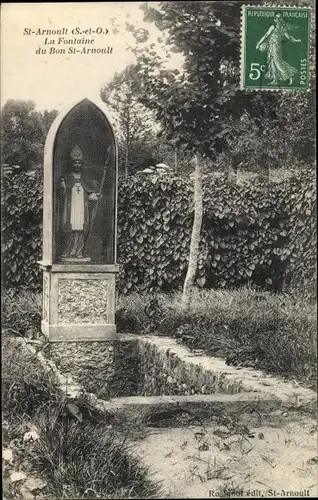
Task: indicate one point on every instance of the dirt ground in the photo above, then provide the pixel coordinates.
(206, 462)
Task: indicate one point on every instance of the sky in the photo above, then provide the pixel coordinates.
(53, 80)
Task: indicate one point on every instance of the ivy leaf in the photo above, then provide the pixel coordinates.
(201, 281)
(132, 232)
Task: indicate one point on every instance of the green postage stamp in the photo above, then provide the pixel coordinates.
(275, 48)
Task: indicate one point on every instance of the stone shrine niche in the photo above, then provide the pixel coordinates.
(84, 188)
(80, 226)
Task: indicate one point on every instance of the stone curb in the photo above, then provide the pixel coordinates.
(179, 411)
(229, 378)
(203, 407)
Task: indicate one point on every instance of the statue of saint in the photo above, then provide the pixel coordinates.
(77, 194)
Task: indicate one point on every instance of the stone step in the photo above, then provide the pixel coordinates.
(176, 411)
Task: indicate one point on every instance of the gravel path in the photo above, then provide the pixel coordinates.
(197, 462)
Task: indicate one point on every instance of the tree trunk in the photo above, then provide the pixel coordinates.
(233, 170)
(263, 168)
(127, 157)
(127, 162)
(195, 237)
(264, 174)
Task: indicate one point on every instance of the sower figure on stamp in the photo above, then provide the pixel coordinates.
(78, 196)
(278, 69)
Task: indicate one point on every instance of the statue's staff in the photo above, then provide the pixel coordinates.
(99, 198)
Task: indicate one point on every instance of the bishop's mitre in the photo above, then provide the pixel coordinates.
(76, 153)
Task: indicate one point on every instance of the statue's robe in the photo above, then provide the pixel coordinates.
(75, 214)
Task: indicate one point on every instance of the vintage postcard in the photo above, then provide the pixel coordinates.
(159, 241)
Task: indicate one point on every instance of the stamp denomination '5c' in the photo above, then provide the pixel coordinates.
(275, 48)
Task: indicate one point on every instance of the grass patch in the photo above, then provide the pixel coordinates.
(21, 313)
(275, 333)
(85, 461)
(26, 388)
(78, 458)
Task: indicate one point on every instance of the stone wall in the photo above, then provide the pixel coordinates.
(133, 366)
(157, 366)
(107, 369)
(164, 372)
(91, 364)
(170, 368)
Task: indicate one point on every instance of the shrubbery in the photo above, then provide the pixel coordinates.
(253, 233)
(21, 198)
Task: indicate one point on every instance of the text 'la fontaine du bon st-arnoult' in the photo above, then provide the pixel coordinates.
(70, 40)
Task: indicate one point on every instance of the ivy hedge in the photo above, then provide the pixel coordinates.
(21, 208)
(254, 233)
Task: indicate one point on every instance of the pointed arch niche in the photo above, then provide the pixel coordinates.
(84, 123)
(65, 280)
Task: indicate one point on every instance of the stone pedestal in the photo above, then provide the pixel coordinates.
(79, 304)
